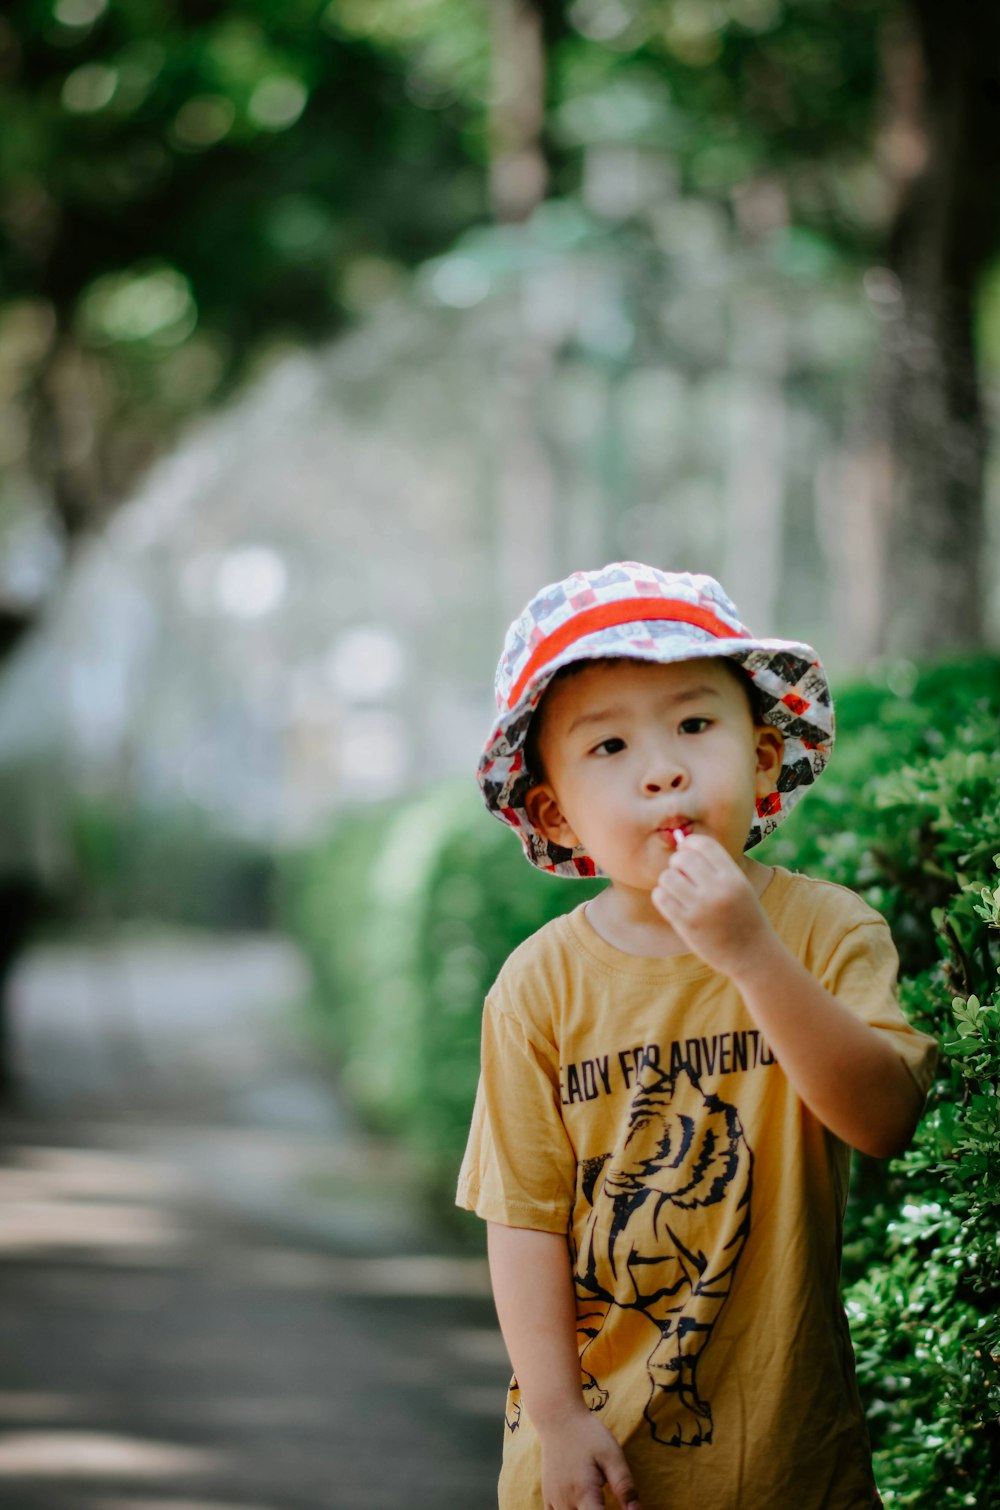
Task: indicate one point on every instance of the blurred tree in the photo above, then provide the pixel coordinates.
(874, 129)
(185, 186)
(942, 148)
(184, 183)
(862, 133)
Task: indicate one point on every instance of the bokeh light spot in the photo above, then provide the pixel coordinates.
(203, 121)
(366, 663)
(277, 102)
(251, 582)
(89, 88)
(79, 13)
(140, 305)
(459, 282)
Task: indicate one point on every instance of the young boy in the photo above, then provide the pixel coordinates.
(673, 1074)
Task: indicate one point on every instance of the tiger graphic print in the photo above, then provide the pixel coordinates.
(670, 1213)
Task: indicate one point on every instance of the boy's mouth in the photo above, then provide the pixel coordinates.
(676, 830)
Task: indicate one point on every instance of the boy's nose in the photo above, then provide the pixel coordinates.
(674, 784)
(666, 776)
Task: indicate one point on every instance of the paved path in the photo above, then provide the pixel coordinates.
(214, 1293)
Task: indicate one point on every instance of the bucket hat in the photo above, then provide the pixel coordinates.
(637, 612)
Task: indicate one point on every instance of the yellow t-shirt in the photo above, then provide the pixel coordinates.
(632, 1104)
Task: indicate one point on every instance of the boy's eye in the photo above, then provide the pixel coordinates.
(695, 725)
(609, 746)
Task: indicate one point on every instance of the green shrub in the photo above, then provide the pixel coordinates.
(409, 912)
(171, 866)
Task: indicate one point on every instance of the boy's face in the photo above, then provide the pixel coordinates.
(633, 749)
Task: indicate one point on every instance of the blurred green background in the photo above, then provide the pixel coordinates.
(330, 331)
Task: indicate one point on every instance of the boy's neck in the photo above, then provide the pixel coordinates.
(625, 917)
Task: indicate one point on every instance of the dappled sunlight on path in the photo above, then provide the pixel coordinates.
(210, 1296)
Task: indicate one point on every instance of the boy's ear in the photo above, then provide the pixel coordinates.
(546, 816)
(770, 751)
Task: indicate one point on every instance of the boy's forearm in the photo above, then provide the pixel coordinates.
(848, 1075)
(536, 1307)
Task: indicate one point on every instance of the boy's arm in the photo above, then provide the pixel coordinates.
(536, 1306)
(847, 1073)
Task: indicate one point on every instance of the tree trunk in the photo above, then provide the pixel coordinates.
(524, 483)
(70, 417)
(23, 908)
(518, 172)
(755, 467)
(945, 232)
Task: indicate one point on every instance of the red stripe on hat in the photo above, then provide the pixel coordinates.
(622, 611)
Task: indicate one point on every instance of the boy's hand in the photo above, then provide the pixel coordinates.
(580, 1456)
(708, 901)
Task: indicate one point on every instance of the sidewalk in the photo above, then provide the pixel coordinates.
(217, 1294)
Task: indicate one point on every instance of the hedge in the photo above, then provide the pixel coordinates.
(408, 912)
(171, 865)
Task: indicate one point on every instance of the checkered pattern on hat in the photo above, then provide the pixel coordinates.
(635, 611)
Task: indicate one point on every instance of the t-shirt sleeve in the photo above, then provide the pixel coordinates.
(519, 1167)
(861, 973)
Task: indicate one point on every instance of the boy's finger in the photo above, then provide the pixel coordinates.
(676, 888)
(688, 857)
(669, 898)
(628, 1497)
(620, 1482)
(702, 849)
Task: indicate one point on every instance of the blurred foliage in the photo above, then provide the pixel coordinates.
(224, 163)
(731, 92)
(188, 190)
(185, 188)
(406, 916)
(408, 912)
(169, 867)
